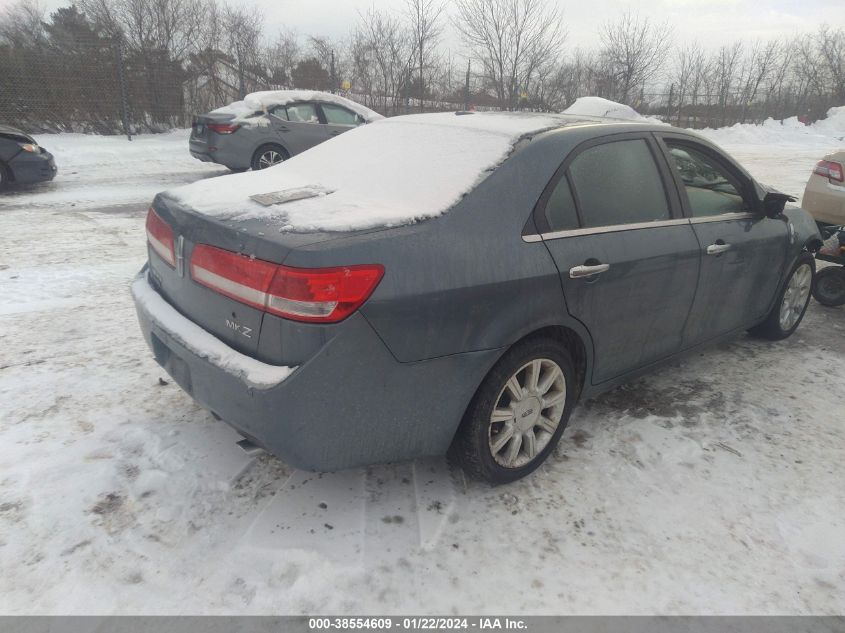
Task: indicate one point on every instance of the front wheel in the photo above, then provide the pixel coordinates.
(518, 413)
(4, 177)
(792, 302)
(829, 286)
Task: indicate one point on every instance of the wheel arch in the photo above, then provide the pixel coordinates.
(574, 343)
(268, 143)
(812, 244)
(574, 337)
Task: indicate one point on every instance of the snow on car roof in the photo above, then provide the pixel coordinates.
(388, 173)
(260, 101)
(597, 106)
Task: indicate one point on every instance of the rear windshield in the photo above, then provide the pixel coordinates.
(386, 173)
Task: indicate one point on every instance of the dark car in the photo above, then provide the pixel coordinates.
(22, 160)
(591, 251)
(268, 127)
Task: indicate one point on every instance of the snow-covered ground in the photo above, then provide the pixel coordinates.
(716, 485)
(782, 153)
(108, 170)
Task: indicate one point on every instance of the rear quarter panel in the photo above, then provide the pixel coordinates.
(465, 281)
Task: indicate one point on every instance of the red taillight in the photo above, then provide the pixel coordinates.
(325, 295)
(160, 237)
(321, 294)
(223, 128)
(829, 169)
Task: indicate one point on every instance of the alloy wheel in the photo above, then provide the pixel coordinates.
(527, 413)
(795, 297)
(269, 158)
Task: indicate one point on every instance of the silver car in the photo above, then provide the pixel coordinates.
(268, 127)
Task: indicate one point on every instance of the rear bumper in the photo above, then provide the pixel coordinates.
(824, 201)
(29, 168)
(351, 404)
(219, 151)
(206, 158)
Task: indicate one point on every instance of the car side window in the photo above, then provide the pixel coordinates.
(618, 183)
(303, 113)
(279, 111)
(560, 208)
(710, 188)
(337, 115)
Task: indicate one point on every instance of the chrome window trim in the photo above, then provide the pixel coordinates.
(742, 215)
(555, 235)
(614, 228)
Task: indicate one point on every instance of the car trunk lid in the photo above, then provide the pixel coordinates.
(235, 322)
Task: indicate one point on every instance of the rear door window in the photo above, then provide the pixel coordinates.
(303, 113)
(337, 115)
(618, 183)
(710, 188)
(560, 208)
(279, 111)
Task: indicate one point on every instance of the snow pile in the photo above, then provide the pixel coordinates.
(782, 153)
(833, 124)
(203, 344)
(392, 172)
(789, 130)
(258, 102)
(596, 106)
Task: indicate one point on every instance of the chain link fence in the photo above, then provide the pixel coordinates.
(99, 87)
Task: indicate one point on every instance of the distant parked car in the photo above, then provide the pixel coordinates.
(824, 196)
(268, 127)
(437, 281)
(22, 160)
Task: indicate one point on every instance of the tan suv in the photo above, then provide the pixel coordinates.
(824, 196)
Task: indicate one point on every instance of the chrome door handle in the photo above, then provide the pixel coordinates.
(577, 272)
(715, 249)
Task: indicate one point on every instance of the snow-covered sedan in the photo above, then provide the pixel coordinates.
(268, 127)
(458, 282)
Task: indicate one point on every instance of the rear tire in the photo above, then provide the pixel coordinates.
(5, 178)
(792, 302)
(518, 414)
(268, 155)
(829, 286)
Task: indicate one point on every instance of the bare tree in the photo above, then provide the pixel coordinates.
(512, 40)
(382, 56)
(424, 18)
(756, 67)
(636, 49)
(243, 29)
(22, 24)
(725, 66)
(282, 56)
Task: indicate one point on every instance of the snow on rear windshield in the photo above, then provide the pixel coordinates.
(387, 173)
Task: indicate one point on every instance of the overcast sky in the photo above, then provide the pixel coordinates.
(712, 22)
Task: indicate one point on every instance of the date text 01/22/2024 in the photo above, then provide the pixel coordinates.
(418, 623)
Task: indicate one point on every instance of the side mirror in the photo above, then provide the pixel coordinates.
(773, 203)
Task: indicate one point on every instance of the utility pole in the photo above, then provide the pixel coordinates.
(669, 106)
(407, 89)
(466, 87)
(121, 80)
(333, 76)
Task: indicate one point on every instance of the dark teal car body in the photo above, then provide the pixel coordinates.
(629, 243)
